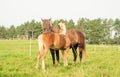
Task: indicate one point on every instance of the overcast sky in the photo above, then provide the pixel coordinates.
(16, 12)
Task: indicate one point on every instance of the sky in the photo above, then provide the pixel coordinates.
(16, 12)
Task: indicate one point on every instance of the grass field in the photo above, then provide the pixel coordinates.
(15, 61)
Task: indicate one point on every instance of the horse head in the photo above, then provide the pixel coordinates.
(47, 25)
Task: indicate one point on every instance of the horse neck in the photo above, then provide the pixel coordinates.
(53, 29)
(49, 28)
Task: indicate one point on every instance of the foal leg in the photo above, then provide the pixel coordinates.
(53, 55)
(75, 54)
(63, 55)
(57, 57)
(66, 56)
(38, 58)
(43, 58)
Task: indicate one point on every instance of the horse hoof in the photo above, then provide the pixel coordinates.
(58, 64)
(73, 63)
(80, 62)
(43, 70)
(65, 64)
(36, 68)
(54, 65)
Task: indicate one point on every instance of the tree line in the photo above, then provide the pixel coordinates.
(97, 31)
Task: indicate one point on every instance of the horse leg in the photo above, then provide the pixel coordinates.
(43, 58)
(57, 57)
(81, 55)
(66, 56)
(38, 58)
(63, 55)
(53, 55)
(75, 54)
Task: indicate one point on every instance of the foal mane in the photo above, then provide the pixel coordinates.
(62, 28)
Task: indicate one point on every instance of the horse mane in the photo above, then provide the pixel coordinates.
(62, 28)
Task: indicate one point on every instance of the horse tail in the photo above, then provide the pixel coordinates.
(40, 43)
(82, 43)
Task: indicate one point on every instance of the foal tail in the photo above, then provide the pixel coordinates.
(40, 43)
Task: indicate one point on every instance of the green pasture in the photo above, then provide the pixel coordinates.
(15, 61)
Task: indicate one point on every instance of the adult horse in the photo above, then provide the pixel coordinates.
(76, 37)
(52, 40)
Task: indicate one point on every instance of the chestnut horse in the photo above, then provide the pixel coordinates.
(76, 37)
(52, 40)
(50, 28)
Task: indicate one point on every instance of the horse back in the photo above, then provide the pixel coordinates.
(61, 41)
(48, 38)
(55, 40)
(76, 37)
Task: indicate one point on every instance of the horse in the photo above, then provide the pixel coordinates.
(52, 40)
(50, 28)
(76, 37)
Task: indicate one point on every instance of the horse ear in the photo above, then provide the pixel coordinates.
(50, 19)
(42, 19)
(58, 26)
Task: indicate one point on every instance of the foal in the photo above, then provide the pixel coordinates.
(47, 26)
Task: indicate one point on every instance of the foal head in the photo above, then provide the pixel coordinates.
(62, 28)
(47, 25)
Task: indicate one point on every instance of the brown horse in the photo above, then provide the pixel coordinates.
(76, 37)
(55, 41)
